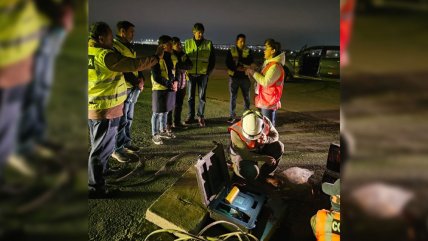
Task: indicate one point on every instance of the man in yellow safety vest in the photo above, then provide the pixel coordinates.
(201, 53)
(107, 93)
(125, 151)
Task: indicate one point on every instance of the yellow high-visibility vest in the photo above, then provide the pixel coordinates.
(20, 30)
(125, 51)
(235, 56)
(164, 74)
(198, 55)
(106, 88)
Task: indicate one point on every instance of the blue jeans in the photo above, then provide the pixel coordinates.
(270, 114)
(201, 82)
(123, 137)
(33, 123)
(234, 85)
(159, 122)
(103, 139)
(10, 112)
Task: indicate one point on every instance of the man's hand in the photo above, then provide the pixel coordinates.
(270, 161)
(141, 84)
(241, 69)
(175, 86)
(249, 71)
(263, 139)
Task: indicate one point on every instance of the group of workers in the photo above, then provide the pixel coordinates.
(115, 80)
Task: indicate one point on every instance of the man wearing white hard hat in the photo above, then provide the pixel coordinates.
(254, 140)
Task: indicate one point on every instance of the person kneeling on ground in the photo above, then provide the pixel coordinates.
(254, 139)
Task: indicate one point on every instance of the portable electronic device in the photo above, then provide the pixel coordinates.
(223, 201)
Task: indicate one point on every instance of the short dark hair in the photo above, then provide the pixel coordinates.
(124, 24)
(176, 40)
(164, 39)
(98, 29)
(274, 45)
(241, 35)
(198, 27)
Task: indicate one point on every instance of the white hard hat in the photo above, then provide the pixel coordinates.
(252, 124)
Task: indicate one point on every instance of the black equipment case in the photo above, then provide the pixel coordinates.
(214, 185)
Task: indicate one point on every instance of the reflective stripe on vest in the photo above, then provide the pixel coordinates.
(198, 55)
(125, 51)
(235, 56)
(164, 74)
(174, 63)
(20, 30)
(270, 97)
(251, 144)
(106, 89)
(327, 225)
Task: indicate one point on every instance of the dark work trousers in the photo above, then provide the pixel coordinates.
(179, 99)
(234, 85)
(123, 137)
(33, 123)
(103, 139)
(270, 114)
(201, 81)
(11, 100)
(275, 150)
(251, 169)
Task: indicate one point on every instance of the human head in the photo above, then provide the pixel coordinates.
(198, 31)
(166, 42)
(252, 124)
(102, 34)
(125, 30)
(334, 191)
(272, 48)
(240, 41)
(176, 44)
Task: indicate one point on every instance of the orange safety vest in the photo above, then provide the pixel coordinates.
(251, 144)
(327, 225)
(270, 97)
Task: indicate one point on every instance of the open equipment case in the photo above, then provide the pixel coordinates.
(214, 184)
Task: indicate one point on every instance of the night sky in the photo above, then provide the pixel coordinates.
(292, 23)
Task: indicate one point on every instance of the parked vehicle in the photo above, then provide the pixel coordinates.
(372, 5)
(317, 62)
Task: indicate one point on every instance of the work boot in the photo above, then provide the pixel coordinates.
(43, 151)
(178, 126)
(131, 148)
(102, 193)
(157, 139)
(201, 121)
(123, 157)
(189, 120)
(20, 164)
(167, 135)
(231, 120)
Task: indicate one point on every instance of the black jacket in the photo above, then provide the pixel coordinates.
(230, 63)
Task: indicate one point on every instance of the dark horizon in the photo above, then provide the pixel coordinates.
(292, 23)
